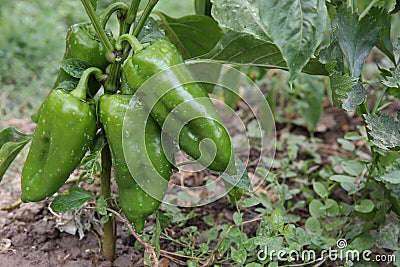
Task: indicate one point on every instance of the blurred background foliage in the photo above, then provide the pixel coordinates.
(32, 43)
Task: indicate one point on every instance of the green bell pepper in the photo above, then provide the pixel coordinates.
(65, 130)
(195, 117)
(135, 202)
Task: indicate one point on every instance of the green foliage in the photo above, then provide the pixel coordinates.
(31, 47)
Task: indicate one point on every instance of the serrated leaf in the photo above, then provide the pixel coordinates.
(193, 35)
(73, 199)
(12, 142)
(296, 27)
(241, 180)
(391, 79)
(392, 174)
(240, 16)
(384, 129)
(388, 236)
(74, 67)
(347, 93)
(243, 49)
(356, 38)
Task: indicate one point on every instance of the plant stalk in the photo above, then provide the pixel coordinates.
(108, 243)
(99, 30)
(130, 17)
(146, 13)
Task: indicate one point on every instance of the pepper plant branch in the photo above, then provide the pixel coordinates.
(133, 42)
(99, 30)
(146, 13)
(81, 88)
(130, 17)
(117, 6)
(108, 248)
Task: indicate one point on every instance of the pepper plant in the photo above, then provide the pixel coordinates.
(79, 124)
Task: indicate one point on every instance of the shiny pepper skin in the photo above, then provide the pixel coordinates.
(65, 130)
(199, 118)
(135, 202)
(83, 43)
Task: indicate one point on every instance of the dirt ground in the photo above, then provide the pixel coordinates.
(29, 237)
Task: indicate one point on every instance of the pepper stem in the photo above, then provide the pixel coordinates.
(108, 244)
(99, 30)
(80, 90)
(146, 13)
(117, 6)
(130, 17)
(133, 42)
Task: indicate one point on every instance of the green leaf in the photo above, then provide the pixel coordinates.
(73, 199)
(193, 35)
(312, 225)
(237, 218)
(75, 66)
(310, 101)
(316, 208)
(365, 206)
(296, 27)
(241, 180)
(101, 205)
(347, 93)
(240, 16)
(384, 22)
(104, 219)
(320, 189)
(384, 129)
(243, 49)
(239, 256)
(388, 236)
(12, 142)
(203, 7)
(391, 79)
(249, 202)
(353, 167)
(392, 173)
(356, 38)
(332, 208)
(363, 242)
(343, 179)
(209, 220)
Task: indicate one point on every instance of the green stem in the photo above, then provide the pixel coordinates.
(146, 13)
(133, 42)
(99, 30)
(117, 6)
(112, 83)
(130, 17)
(379, 101)
(367, 9)
(108, 244)
(80, 90)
